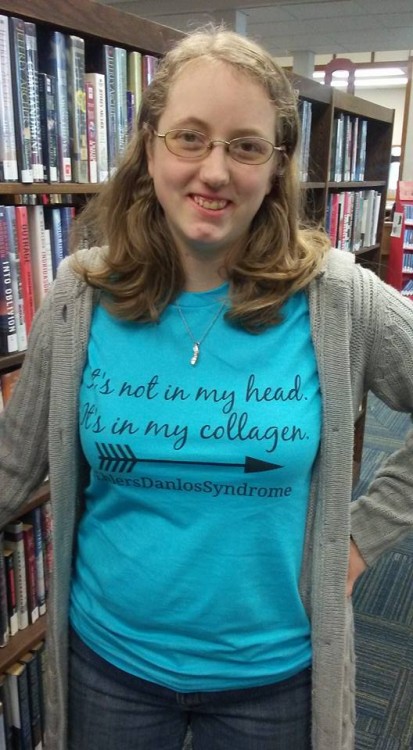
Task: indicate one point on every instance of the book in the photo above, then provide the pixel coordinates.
(29, 660)
(21, 102)
(42, 271)
(53, 222)
(135, 83)
(91, 132)
(7, 739)
(8, 325)
(8, 153)
(34, 518)
(39, 651)
(18, 694)
(108, 52)
(9, 565)
(52, 60)
(149, 66)
(77, 107)
(97, 81)
(13, 539)
(48, 127)
(31, 576)
(47, 537)
(16, 279)
(33, 93)
(121, 84)
(3, 737)
(4, 612)
(23, 250)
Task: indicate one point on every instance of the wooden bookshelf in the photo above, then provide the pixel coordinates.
(99, 24)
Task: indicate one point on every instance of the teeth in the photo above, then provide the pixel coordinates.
(212, 205)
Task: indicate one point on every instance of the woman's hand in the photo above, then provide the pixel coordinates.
(356, 567)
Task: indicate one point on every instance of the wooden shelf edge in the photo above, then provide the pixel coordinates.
(8, 361)
(23, 641)
(49, 188)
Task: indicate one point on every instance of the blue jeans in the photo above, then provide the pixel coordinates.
(111, 709)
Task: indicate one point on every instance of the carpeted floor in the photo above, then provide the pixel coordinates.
(383, 603)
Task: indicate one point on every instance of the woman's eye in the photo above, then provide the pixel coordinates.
(250, 146)
(188, 138)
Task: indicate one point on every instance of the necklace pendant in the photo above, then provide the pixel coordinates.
(195, 349)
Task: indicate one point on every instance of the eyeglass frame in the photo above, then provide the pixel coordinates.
(213, 141)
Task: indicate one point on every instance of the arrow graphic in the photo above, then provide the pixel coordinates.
(121, 458)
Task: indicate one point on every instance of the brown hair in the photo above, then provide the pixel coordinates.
(141, 271)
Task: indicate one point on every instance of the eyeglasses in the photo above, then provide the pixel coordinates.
(191, 144)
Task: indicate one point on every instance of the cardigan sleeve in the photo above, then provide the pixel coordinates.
(24, 422)
(384, 513)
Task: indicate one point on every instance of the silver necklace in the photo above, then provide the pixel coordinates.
(196, 343)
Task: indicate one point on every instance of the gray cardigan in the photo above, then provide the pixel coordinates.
(363, 336)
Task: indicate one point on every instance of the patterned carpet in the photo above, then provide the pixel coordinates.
(383, 603)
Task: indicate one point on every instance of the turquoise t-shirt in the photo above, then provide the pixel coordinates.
(190, 548)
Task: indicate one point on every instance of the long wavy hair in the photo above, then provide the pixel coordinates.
(141, 271)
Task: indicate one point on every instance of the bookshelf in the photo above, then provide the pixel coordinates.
(321, 190)
(400, 260)
(100, 24)
(97, 25)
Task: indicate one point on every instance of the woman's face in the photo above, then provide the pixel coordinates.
(209, 203)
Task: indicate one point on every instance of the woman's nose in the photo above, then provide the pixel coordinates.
(215, 167)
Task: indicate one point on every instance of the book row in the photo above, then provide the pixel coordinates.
(348, 149)
(408, 212)
(66, 108)
(408, 262)
(33, 241)
(408, 239)
(25, 566)
(407, 290)
(352, 219)
(22, 693)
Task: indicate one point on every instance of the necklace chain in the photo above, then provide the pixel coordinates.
(196, 343)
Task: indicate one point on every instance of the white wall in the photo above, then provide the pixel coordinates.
(388, 97)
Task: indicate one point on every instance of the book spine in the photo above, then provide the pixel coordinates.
(97, 80)
(52, 60)
(8, 153)
(91, 132)
(16, 277)
(135, 82)
(149, 66)
(39, 652)
(20, 707)
(110, 81)
(121, 84)
(48, 127)
(4, 613)
(13, 538)
(29, 557)
(33, 89)
(35, 519)
(21, 98)
(11, 591)
(8, 330)
(57, 239)
(41, 263)
(29, 660)
(23, 250)
(77, 107)
(47, 536)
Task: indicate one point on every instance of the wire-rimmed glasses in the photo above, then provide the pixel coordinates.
(192, 144)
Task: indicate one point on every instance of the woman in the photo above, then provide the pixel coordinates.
(198, 379)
